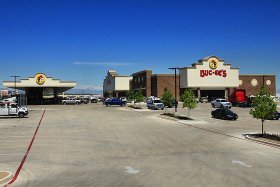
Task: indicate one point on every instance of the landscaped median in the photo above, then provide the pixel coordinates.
(5, 177)
(270, 139)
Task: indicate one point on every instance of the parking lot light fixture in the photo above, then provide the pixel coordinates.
(15, 76)
(175, 73)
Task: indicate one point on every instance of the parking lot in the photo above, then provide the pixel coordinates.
(94, 145)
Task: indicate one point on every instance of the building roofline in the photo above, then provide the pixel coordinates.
(142, 72)
(271, 75)
(154, 75)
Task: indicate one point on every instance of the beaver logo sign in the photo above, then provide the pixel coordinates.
(40, 78)
(213, 63)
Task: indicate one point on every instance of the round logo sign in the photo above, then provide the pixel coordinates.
(40, 78)
(213, 63)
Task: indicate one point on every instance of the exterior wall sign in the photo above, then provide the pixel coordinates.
(213, 64)
(209, 73)
(40, 78)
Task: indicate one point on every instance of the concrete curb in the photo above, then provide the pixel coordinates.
(6, 179)
(262, 141)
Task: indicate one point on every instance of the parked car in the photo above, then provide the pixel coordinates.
(93, 100)
(224, 113)
(84, 100)
(124, 99)
(221, 103)
(115, 101)
(276, 116)
(203, 99)
(71, 101)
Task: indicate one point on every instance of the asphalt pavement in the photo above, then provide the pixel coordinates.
(94, 145)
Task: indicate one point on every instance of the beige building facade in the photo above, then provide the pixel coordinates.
(115, 85)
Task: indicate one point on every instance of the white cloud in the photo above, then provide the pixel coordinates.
(115, 64)
(89, 87)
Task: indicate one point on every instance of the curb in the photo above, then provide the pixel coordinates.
(7, 178)
(262, 141)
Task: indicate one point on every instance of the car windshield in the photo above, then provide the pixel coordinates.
(157, 101)
(223, 100)
(229, 112)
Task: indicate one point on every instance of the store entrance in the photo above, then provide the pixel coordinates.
(212, 93)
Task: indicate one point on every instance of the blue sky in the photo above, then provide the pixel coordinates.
(133, 35)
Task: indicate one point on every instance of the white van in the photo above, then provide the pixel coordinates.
(154, 103)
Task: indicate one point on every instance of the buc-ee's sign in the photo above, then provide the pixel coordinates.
(213, 71)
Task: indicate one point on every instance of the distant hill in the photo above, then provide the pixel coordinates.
(84, 91)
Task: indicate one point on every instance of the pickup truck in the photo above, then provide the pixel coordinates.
(115, 101)
(71, 101)
(221, 103)
(12, 109)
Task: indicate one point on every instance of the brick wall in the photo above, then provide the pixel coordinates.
(259, 80)
(142, 81)
(162, 81)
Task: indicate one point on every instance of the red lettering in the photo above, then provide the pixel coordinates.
(224, 73)
(201, 73)
(205, 73)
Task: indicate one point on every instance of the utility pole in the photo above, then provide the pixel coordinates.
(175, 68)
(15, 76)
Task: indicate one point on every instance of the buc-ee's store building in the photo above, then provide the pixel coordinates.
(210, 76)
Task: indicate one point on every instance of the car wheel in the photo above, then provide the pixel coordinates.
(20, 115)
(212, 115)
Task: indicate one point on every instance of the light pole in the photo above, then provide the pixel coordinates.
(15, 76)
(263, 80)
(175, 68)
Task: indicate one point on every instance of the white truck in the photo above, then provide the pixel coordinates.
(12, 109)
(154, 103)
(72, 101)
(221, 103)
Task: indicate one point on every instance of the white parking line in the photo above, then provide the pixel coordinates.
(5, 154)
(192, 122)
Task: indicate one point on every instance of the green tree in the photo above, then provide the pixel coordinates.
(167, 98)
(138, 97)
(263, 106)
(189, 100)
(130, 95)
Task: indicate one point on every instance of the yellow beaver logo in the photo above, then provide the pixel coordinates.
(213, 63)
(40, 78)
